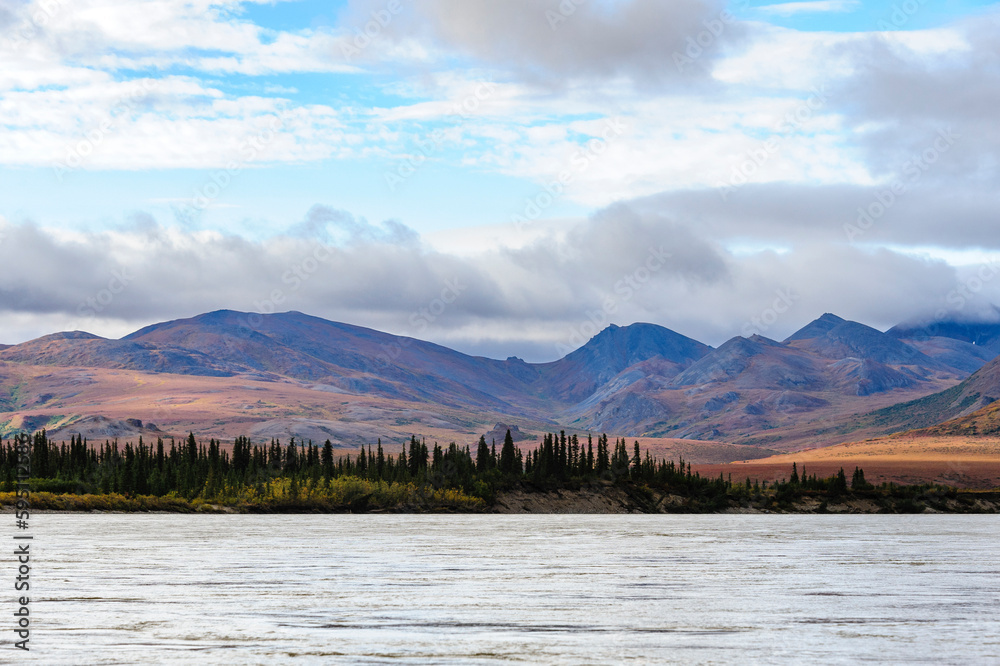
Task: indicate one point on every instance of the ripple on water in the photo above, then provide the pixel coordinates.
(484, 589)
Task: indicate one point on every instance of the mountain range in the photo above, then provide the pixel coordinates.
(294, 374)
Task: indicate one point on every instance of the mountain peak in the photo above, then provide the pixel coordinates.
(840, 339)
(581, 372)
(817, 328)
(627, 345)
(70, 335)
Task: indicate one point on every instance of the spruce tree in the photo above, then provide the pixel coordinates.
(328, 459)
(839, 484)
(508, 457)
(858, 480)
(483, 457)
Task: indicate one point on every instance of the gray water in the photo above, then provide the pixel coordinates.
(236, 589)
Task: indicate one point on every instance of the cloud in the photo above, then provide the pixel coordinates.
(922, 214)
(136, 85)
(175, 84)
(816, 6)
(548, 42)
(171, 122)
(207, 35)
(648, 261)
(901, 99)
(340, 228)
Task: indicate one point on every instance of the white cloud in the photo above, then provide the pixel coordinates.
(172, 122)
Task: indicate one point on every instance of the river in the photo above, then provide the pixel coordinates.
(486, 589)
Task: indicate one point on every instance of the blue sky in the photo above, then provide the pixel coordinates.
(535, 148)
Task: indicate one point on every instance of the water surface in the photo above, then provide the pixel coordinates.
(562, 589)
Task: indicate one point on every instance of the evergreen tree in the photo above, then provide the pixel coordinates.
(508, 458)
(291, 457)
(483, 456)
(192, 448)
(362, 465)
(839, 485)
(858, 480)
(328, 459)
(414, 456)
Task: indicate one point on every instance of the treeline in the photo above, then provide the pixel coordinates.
(191, 468)
(315, 475)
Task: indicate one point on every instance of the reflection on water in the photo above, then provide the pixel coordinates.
(534, 589)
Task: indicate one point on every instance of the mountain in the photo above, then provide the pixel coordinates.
(978, 334)
(981, 390)
(293, 374)
(963, 356)
(77, 348)
(835, 338)
(817, 328)
(352, 358)
(581, 373)
(964, 345)
(767, 391)
(755, 362)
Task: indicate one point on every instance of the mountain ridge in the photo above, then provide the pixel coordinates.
(640, 379)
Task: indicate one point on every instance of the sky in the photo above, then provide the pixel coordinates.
(505, 178)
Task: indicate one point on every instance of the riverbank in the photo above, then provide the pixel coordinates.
(625, 499)
(601, 498)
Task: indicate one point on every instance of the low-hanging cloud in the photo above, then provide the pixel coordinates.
(627, 263)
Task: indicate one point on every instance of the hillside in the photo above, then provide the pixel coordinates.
(971, 399)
